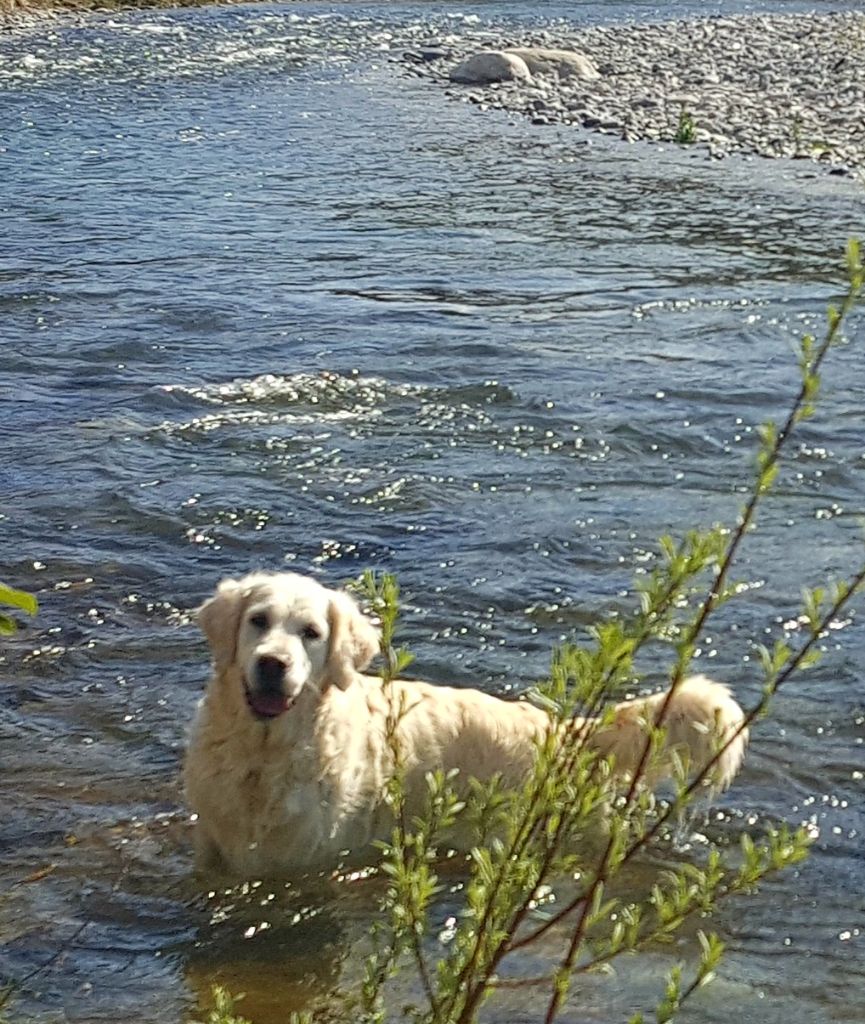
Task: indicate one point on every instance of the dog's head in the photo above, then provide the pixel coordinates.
(285, 633)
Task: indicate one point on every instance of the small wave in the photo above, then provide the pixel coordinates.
(645, 309)
(306, 398)
(147, 28)
(335, 389)
(299, 388)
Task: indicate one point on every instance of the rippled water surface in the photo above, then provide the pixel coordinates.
(268, 302)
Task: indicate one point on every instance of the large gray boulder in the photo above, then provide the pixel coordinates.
(491, 66)
(565, 63)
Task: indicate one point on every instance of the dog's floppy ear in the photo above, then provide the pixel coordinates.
(219, 618)
(353, 640)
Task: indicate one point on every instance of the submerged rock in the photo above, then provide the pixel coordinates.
(490, 66)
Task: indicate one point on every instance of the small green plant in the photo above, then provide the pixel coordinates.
(686, 130)
(12, 598)
(223, 1011)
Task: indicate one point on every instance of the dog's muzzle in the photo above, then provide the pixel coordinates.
(265, 694)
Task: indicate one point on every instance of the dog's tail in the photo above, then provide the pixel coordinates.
(703, 725)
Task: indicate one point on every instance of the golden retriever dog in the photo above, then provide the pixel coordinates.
(289, 759)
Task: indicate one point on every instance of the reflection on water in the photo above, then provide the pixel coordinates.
(267, 303)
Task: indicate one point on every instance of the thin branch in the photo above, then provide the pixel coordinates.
(856, 582)
(708, 605)
(530, 825)
(64, 947)
(423, 971)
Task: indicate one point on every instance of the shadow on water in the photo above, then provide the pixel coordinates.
(282, 947)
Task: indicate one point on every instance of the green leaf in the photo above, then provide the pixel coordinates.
(18, 599)
(853, 257)
(223, 1011)
(403, 659)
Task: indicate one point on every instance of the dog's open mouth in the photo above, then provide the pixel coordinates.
(268, 705)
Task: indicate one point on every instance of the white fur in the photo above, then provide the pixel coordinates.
(295, 792)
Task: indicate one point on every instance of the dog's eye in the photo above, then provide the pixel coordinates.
(311, 633)
(258, 621)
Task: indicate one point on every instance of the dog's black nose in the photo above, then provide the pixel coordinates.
(270, 672)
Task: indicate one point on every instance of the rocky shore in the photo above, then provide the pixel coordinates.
(773, 85)
(18, 14)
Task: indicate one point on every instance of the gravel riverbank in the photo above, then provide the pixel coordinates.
(17, 15)
(773, 85)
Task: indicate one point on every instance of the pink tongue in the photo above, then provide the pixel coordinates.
(268, 706)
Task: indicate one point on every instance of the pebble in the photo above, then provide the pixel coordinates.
(788, 85)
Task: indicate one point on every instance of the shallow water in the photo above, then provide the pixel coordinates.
(266, 302)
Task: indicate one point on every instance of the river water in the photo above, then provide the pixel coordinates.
(267, 302)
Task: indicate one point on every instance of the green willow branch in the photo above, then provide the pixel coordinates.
(767, 462)
(853, 586)
(384, 598)
(531, 824)
(505, 879)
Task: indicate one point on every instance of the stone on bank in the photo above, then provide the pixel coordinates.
(565, 63)
(490, 66)
(520, 63)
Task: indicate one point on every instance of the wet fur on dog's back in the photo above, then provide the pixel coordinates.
(288, 759)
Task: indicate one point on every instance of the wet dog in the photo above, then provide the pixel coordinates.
(289, 760)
